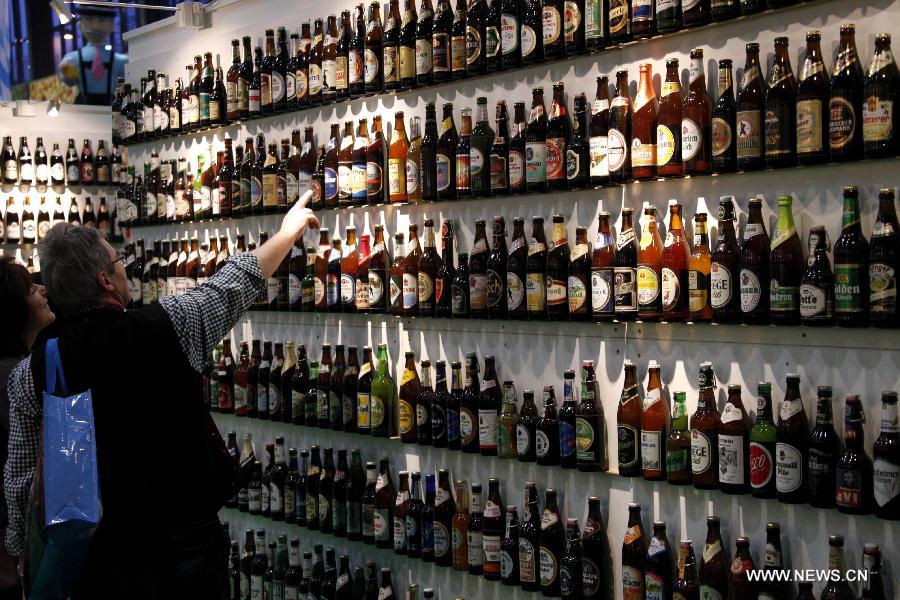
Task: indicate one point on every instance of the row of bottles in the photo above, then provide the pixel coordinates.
(29, 222)
(631, 275)
(457, 524)
(709, 449)
(42, 170)
(355, 54)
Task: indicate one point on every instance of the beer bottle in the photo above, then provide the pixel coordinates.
(324, 401)
(481, 40)
(603, 272)
(401, 513)
(678, 444)
(428, 520)
(824, 447)
(333, 282)
(375, 164)
(364, 393)
(634, 555)
(579, 283)
(686, 586)
(459, 291)
(734, 445)
(839, 588)
(578, 149)
(705, 425)
(473, 153)
(478, 273)
(332, 164)
(780, 110)
(675, 273)
(532, 32)
(446, 158)
(356, 80)
(668, 127)
(253, 380)
(359, 184)
(257, 182)
(659, 574)
(379, 265)
(441, 51)
(620, 20)
(625, 271)
(383, 397)
(385, 498)
(724, 123)
(373, 57)
(887, 457)
(654, 423)
(546, 443)
(771, 588)
(791, 447)
(620, 127)
(507, 423)
(595, 552)
(513, 288)
(11, 163)
(696, 14)
(427, 272)
(649, 270)
(750, 113)
(645, 121)
(786, 258)
(628, 418)
(474, 538)
(853, 491)
(517, 151)
(812, 96)
(509, 548)
(308, 284)
(322, 257)
(496, 273)
(526, 429)
(740, 585)
(499, 152)
(349, 388)
(845, 100)
(874, 587)
(438, 410)
(410, 274)
(851, 252)
(460, 526)
(326, 493)
(536, 268)
(884, 262)
(536, 144)
(556, 281)
(399, 148)
(349, 267)
(567, 458)
(559, 130)
(754, 281)
(696, 135)
(345, 166)
(315, 63)
(367, 503)
(453, 404)
(529, 545)
(423, 50)
(879, 124)
(391, 47)
(469, 429)
(553, 545)
(458, 42)
(409, 393)
(724, 266)
(725, 9)
(362, 276)
(599, 133)
(424, 401)
(699, 267)
(259, 566)
(489, 401)
(714, 562)
(413, 163)
(241, 376)
(817, 282)
(413, 524)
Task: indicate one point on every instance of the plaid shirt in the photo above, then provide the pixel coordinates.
(201, 317)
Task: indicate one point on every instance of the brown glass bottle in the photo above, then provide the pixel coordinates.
(536, 144)
(625, 273)
(557, 271)
(705, 425)
(579, 284)
(599, 133)
(409, 392)
(714, 562)
(496, 271)
(750, 120)
(792, 446)
(536, 268)
(395, 278)
(373, 68)
(734, 445)
(880, 125)
(644, 127)
(780, 110)
(696, 13)
(654, 427)
(478, 277)
(754, 277)
(676, 256)
(445, 157)
(686, 585)
(845, 101)
(397, 192)
(634, 555)
(603, 260)
(620, 124)
(696, 131)
(812, 101)
(668, 128)
(427, 271)
(628, 424)
(375, 155)
(725, 268)
(649, 270)
(378, 267)
(559, 135)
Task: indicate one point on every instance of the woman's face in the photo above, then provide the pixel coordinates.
(39, 313)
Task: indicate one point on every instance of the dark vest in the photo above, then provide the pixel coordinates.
(162, 468)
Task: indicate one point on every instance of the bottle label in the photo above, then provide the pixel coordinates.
(625, 289)
(749, 134)
(788, 467)
(850, 491)
(777, 125)
(556, 291)
(691, 139)
(886, 481)
(423, 56)
(651, 450)
(475, 546)
(878, 119)
(529, 40)
(536, 162)
(527, 571)
(391, 63)
(647, 285)
(617, 150)
(701, 452)
(643, 154)
(882, 287)
(720, 285)
(783, 298)
(551, 25)
(814, 302)
(707, 592)
(509, 33)
(535, 293)
(584, 440)
(665, 144)
(751, 289)
(601, 291)
(458, 52)
(476, 161)
(380, 524)
(549, 567)
(842, 122)
(468, 428)
(848, 280)
(541, 444)
(721, 136)
(599, 153)
(473, 45)
(632, 583)
(577, 292)
(810, 136)
(671, 289)
(517, 169)
(443, 172)
(371, 67)
(440, 53)
(628, 446)
(731, 458)
(523, 440)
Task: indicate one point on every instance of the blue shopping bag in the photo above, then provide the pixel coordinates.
(71, 491)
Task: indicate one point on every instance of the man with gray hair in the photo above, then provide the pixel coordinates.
(163, 469)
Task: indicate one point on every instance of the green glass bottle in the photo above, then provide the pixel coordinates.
(384, 396)
(480, 141)
(786, 267)
(851, 266)
(678, 443)
(310, 407)
(762, 445)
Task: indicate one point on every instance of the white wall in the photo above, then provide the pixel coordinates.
(862, 362)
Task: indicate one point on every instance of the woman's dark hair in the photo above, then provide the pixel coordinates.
(15, 286)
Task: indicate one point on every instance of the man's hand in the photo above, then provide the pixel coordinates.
(299, 218)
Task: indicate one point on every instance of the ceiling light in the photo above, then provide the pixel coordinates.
(68, 36)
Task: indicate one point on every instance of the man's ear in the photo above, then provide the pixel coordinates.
(105, 282)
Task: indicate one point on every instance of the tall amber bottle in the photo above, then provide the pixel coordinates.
(644, 127)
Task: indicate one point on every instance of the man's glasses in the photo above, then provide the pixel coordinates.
(120, 256)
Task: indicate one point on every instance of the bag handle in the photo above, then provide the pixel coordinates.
(53, 368)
